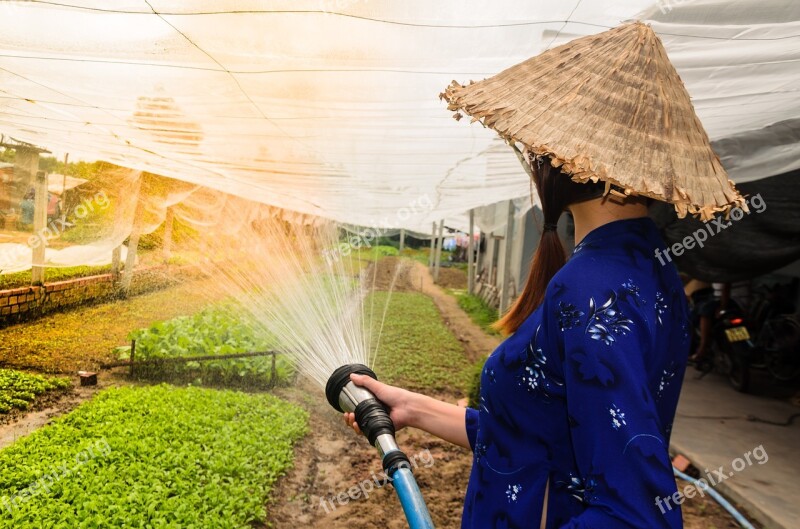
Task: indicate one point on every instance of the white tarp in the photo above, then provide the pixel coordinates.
(58, 183)
(331, 108)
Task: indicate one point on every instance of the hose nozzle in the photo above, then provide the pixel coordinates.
(371, 415)
(375, 423)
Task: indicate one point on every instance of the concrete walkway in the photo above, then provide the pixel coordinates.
(768, 488)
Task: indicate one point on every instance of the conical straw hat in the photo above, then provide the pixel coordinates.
(607, 107)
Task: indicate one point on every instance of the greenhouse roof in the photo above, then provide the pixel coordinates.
(331, 107)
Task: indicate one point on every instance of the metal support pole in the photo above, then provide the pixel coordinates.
(63, 200)
(116, 259)
(402, 239)
(471, 253)
(479, 265)
(133, 241)
(39, 227)
(439, 245)
(507, 259)
(433, 247)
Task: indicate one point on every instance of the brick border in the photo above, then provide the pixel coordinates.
(28, 303)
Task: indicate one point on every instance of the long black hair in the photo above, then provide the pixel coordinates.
(556, 192)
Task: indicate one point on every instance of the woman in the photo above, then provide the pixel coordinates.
(27, 207)
(577, 405)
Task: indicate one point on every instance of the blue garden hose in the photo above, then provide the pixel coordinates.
(717, 497)
(375, 423)
(411, 499)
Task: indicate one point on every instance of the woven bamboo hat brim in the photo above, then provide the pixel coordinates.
(607, 107)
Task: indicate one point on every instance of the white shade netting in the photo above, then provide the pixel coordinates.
(331, 108)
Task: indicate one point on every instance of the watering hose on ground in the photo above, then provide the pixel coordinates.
(741, 520)
(374, 421)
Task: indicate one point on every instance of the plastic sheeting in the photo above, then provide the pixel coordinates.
(745, 245)
(330, 108)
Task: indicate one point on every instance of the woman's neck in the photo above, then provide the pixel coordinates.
(596, 212)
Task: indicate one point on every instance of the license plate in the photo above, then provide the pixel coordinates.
(737, 334)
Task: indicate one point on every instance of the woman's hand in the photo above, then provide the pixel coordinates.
(396, 399)
(407, 408)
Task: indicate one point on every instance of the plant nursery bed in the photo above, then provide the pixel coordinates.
(157, 456)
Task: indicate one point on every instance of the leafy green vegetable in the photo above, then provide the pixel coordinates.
(474, 390)
(18, 389)
(218, 330)
(152, 457)
(372, 253)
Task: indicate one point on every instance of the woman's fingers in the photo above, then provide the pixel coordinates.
(377, 388)
(350, 421)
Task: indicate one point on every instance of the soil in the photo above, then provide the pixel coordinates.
(454, 278)
(707, 514)
(332, 460)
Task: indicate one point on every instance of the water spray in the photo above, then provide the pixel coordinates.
(377, 426)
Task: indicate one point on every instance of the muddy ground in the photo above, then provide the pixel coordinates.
(53, 404)
(333, 459)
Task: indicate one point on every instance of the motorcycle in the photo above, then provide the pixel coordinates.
(764, 340)
(732, 349)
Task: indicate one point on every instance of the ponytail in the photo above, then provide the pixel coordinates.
(556, 191)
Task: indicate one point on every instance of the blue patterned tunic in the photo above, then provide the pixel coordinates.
(584, 394)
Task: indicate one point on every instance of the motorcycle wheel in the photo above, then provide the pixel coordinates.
(779, 341)
(723, 361)
(733, 366)
(782, 370)
(739, 376)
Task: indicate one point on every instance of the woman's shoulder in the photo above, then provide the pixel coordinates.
(586, 273)
(585, 281)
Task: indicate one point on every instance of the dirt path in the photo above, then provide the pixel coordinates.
(411, 275)
(476, 342)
